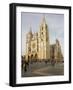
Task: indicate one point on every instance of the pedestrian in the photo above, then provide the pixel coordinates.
(25, 67)
(53, 62)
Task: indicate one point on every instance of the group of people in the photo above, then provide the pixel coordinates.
(26, 64)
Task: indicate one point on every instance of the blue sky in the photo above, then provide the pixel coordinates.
(55, 24)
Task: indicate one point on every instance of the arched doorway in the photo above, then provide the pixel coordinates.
(32, 56)
(35, 56)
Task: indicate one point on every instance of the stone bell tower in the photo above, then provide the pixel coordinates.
(44, 43)
(28, 44)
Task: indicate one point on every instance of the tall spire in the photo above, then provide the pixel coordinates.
(30, 29)
(43, 21)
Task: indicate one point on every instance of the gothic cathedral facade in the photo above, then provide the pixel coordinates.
(38, 45)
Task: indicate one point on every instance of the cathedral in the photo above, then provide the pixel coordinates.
(38, 45)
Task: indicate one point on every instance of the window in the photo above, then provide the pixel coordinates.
(42, 33)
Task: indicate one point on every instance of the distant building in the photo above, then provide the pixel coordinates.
(38, 45)
(55, 52)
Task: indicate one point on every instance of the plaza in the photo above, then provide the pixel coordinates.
(43, 69)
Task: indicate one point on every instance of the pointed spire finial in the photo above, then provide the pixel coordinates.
(43, 19)
(30, 30)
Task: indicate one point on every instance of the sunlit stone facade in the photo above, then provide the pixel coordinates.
(38, 46)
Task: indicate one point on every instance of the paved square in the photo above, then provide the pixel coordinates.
(43, 69)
